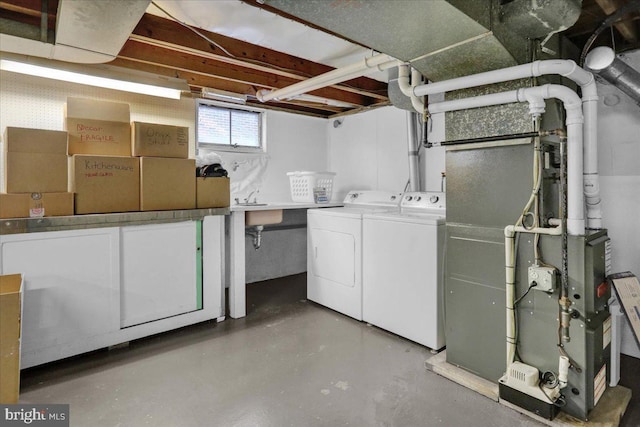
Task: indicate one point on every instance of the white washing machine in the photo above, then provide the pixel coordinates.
(334, 250)
(402, 269)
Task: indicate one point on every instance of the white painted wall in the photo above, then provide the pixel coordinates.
(619, 168)
(368, 151)
(294, 143)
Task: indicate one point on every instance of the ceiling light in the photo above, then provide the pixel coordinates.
(223, 95)
(97, 75)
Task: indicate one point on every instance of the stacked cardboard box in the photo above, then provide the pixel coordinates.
(104, 176)
(115, 166)
(167, 176)
(10, 315)
(34, 183)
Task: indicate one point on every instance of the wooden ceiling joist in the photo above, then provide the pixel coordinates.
(156, 30)
(626, 27)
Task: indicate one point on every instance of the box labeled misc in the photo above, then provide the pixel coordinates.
(104, 184)
(35, 205)
(167, 184)
(10, 337)
(98, 127)
(156, 140)
(35, 160)
(212, 193)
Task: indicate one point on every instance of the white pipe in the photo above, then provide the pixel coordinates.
(510, 277)
(413, 144)
(407, 89)
(565, 68)
(535, 96)
(367, 65)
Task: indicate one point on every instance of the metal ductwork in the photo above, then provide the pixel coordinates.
(603, 62)
(87, 32)
(538, 19)
(442, 39)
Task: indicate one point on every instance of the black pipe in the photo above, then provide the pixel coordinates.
(488, 139)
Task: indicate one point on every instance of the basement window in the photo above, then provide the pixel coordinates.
(221, 127)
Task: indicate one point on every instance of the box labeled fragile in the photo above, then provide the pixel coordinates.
(98, 127)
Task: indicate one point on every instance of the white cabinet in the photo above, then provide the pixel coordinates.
(71, 286)
(159, 265)
(92, 288)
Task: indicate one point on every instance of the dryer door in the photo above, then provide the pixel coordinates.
(333, 256)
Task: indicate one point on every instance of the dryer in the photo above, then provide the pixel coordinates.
(402, 269)
(334, 250)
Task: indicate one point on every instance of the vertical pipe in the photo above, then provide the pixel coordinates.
(412, 141)
(564, 268)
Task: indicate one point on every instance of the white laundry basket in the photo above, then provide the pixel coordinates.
(303, 183)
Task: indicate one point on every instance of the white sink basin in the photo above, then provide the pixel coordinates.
(263, 217)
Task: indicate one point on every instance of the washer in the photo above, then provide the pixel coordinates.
(334, 250)
(402, 269)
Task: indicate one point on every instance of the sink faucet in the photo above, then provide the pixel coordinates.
(255, 200)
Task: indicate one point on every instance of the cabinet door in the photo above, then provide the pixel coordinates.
(159, 264)
(71, 285)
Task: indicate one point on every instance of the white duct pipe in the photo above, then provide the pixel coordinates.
(565, 68)
(535, 96)
(367, 65)
(413, 144)
(407, 88)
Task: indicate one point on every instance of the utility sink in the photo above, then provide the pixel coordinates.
(263, 217)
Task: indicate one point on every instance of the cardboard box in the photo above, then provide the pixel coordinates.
(10, 326)
(35, 173)
(35, 205)
(167, 184)
(104, 184)
(25, 140)
(212, 193)
(98, 127)
(154, 140)
(34, 160)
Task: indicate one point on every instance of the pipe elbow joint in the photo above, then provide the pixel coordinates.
(261, 94)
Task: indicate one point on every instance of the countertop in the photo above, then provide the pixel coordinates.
(75, 222)
(282, 205)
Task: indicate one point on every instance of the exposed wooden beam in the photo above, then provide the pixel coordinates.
(164, 30)
(144, 53)
(626, 27)
(197, 82)
(29, 11)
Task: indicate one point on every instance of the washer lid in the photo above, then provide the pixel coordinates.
(410, 217)
(355, 212)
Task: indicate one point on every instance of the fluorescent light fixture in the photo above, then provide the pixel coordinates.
(101, 76)
(223, 95)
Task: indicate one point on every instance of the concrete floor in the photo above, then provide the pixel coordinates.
(288, 363)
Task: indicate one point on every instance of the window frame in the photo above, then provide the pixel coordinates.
(229, 147)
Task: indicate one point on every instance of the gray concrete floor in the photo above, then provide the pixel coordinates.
(290, 362)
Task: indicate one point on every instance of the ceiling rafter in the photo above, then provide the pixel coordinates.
(626, 27)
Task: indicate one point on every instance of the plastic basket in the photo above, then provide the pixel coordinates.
(302, 184)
